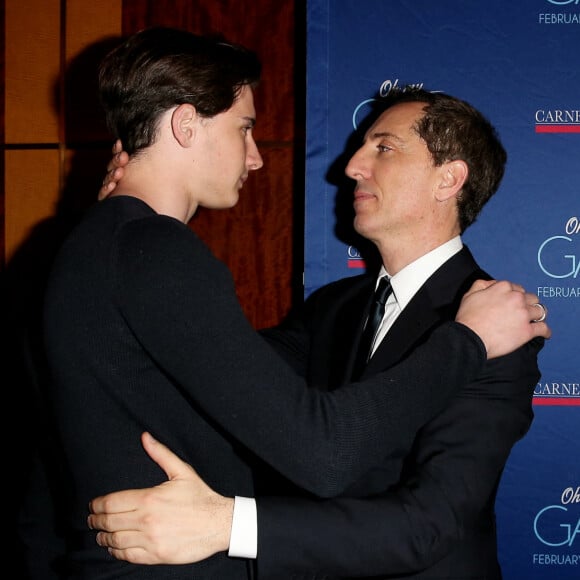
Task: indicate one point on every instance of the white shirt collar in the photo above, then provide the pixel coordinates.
(407, 282)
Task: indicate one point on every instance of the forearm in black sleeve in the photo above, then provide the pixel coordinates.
(459, 458)
(322, 441)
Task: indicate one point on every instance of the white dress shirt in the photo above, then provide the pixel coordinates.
(405, 284)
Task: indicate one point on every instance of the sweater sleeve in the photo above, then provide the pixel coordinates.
(180, 302)
(450, 483)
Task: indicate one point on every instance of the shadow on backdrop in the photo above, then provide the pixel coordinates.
(343, 209)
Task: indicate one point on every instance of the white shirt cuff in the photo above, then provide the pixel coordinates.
(244, 534)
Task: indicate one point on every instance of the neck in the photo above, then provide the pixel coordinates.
(397, 252)
(156, 188)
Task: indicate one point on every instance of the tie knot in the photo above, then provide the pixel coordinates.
(383, 290)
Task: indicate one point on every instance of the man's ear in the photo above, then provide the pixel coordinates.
(183, 122)
(453, 176)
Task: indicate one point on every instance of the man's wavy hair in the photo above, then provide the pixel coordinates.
(453, 129)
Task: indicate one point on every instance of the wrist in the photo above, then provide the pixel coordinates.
(225, 514)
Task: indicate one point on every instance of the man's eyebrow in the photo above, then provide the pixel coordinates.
(250, 120)
(383, 135)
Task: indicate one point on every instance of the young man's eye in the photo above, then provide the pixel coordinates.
(383, 148)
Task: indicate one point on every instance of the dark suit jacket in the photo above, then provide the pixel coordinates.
(427, 514)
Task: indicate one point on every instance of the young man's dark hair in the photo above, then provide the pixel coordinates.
(160, 67)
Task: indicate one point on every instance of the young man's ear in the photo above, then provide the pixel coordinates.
(183, 122)
(453, 176)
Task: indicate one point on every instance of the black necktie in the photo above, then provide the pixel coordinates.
(376, 314)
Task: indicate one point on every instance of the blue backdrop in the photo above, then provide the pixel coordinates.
(517, 61)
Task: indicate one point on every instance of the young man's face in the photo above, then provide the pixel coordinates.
(395, 177)
(226, 153)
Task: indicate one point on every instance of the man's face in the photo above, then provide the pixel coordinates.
(226, 152)
(395, 177)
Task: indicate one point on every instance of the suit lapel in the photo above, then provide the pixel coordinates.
(350, 318)
(436, 301)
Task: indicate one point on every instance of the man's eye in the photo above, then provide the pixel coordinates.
(383, 148)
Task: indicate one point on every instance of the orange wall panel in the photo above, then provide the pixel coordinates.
(87, 22)
(91, 30)
(31, 193)
(32, 70)
(35, 113)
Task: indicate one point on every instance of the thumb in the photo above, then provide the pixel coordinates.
(171, 464)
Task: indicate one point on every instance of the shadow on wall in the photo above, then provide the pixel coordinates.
(32, 455)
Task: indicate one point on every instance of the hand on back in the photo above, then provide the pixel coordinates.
(180, 521)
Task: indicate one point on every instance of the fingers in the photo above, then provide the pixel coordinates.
(537, 313)
(118, 161)
(480, 285)
(126, 546)
(541, 315)
(107, 520)
(114, 174)
(106, 189)
(503, 314)
(115, 170)
(538, 316)
(115, 167)
(541, 329)
(483, 284)
(117, 502)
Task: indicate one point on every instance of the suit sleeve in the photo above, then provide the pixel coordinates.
(458, 459)
(180, 303)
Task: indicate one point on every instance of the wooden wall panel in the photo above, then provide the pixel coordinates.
(32, 70)
(255, 238)
(38, 54)
(91, 30)
(268, 275)
(263, 25)
(90, 21)
(48, 39)
(31, 171)
(31, 191)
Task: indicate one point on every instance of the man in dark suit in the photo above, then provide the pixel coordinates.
(427, 166)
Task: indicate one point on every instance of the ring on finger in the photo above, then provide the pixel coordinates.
(544, 312)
